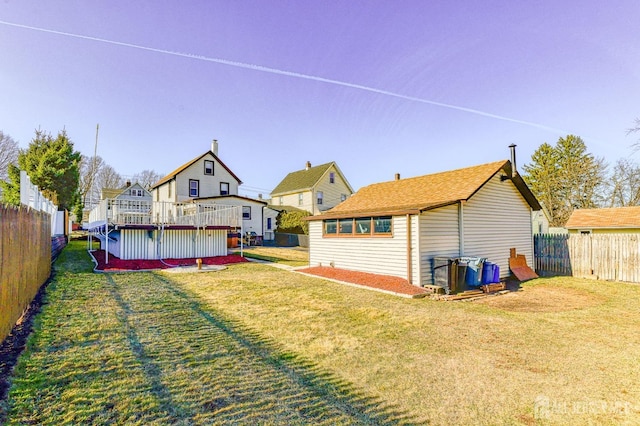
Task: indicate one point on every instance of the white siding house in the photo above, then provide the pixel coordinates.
(252, 211)
(480, 211)
(187, 214)
(203, 177)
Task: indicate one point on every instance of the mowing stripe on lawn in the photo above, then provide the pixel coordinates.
(212, 370)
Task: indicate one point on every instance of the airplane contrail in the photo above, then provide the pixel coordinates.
(290, 74)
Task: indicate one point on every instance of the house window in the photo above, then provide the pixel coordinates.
(363, 225)
(300, 199)
(224, 188)
(358, 227)
(194, 188)
(382, 225)
(246, 212)
(330, 226)
(281, 201)
(208, 167)
(135, 192)
(345, 226)
(269, 223)
(320, 196)
(332, 177)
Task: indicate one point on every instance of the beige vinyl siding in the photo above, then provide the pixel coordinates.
(331, 191)
(209, 185)
(292, 200)
(438, 237)
(496, 219)
(378, 255)
(416, 266)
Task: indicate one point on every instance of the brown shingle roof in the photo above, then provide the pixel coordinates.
(426, 192)
(617, 217)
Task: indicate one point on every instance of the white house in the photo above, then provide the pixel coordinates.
(204, 176)
(185, 217)
(398, 227)
(252, 212)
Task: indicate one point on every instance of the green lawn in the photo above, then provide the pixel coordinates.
(286, 256)
(255, 344)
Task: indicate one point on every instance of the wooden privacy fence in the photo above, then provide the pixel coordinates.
(605, 256)
(551, 252)
(25, 261)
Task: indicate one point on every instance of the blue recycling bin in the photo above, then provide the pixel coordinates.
(473, 276)
(490, 273)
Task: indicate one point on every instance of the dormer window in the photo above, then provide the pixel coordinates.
(208, 167)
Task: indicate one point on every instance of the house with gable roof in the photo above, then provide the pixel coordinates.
(202, 177)
(190, 214)
(314, 189)
(623, 220)
(398, 227)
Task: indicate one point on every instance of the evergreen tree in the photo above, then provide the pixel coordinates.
(565, 177)
(52, 165)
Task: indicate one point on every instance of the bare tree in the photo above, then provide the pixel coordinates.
(89, 169)
(107, 177)
(8, 154)
(635, 129)
(624, 185)
(146, 178)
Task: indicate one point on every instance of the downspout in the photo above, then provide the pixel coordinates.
(409, 262)
(461, 227)
(419, 247)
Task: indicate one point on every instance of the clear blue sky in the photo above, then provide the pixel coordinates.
(380, 87)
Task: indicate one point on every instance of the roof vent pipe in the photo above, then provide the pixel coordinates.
(397, 176)
(214, 147)
(308, 165)
(514, 170)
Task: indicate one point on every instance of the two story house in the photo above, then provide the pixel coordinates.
(204, 176)
(189, 213)
(314, 189)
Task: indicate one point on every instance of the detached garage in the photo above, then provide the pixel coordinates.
(398, 227)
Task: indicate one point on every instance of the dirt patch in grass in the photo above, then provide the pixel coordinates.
(543, 299)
